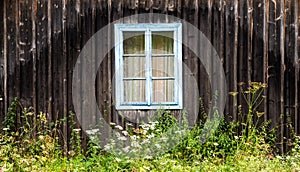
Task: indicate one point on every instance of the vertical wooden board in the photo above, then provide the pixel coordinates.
(2, 62)
(259, 46)
(281, 19)
(142, 8)
(41, 55)
(290, 62)
(242, 54)
(73, 50)
(190, 60)
(230, 59)
(218, 38)
(87, 29)
(25, 52)
(117, 10)
(205, 28)
(49, 65)
(258, 40)
(57, 64)
(102, 75)
(297, 98)
(274, 65)
(11, 53)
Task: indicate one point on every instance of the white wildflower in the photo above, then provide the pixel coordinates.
(5, 129)
(236, 137)
(216, 144)
(92, 131)
(164, 139)
(125, 133)
(150, 136)
(126, 149)
(77, 129)
(135, 137)
(148, 157)
(118, 159)
(145, 141)
(112, 123)
(135, 144)
(107, 147)
(122, 138)
(129, 124)
(119, 127)
(158, 146)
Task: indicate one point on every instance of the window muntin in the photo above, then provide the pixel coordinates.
(148, 66)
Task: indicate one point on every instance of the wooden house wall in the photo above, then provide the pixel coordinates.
(256, 40)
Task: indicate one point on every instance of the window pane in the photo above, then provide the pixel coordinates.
(163, 66)
(134, 42)
(134, 91)
(134, 67)
(163, 91)
(162, 43)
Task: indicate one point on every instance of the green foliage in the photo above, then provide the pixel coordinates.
(234, 146)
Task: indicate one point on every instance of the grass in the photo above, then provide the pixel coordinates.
(234, 146)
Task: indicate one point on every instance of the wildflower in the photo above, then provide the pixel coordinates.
(236, 137)
(259, 114)
(5, 129)
(233, 93)
(117, 159)
(135, 144)
(119, 127)
(158, 146)
(126, 149)
(150, 136)
(107, 147)
(216, 144)
(164, 139)
(129, 124)
(125, 133)
(135, 137)
(145, 141)
(92, 131)
(112, 124)
(148, 157)
(77, 129)
(122, 138)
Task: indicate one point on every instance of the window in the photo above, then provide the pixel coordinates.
(148, 66)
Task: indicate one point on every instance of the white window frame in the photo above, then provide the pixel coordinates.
(119, 87)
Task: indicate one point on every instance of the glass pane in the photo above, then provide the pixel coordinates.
(134, 42)
(134, 91)
(163, 91)
(134, 67)
(163, 66)
(162, 43)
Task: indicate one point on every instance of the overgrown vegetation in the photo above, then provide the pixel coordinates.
(234, 146)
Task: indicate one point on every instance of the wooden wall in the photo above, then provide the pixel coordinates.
(257, 40)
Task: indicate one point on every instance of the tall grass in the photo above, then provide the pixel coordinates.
(36, 147)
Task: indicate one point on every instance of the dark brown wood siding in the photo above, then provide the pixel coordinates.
(256, 40)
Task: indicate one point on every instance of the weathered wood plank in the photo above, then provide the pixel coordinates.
(259, 47)
(242, 54)
(11, 54)
(58, 65)
(2, 65)
(41, 57)
(281, 20)
(73, 50)
(205, 28)
(49, 65)
(231, 56)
